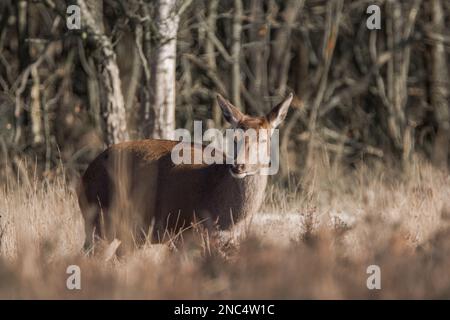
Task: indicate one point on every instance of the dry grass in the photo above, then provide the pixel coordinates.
(315, 241)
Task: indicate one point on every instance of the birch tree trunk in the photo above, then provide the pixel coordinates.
(163, 67)
(439, 87)
(112, 102)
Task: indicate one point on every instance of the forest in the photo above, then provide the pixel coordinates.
(138, 70)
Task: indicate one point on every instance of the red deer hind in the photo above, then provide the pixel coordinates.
(134, 187)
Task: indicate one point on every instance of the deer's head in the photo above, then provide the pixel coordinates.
(250, 133)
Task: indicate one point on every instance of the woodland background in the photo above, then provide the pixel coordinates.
(138, 69)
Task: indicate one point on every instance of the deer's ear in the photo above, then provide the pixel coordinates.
(230, 112)
(279, 112)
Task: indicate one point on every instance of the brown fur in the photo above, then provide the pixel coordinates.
(138, 180)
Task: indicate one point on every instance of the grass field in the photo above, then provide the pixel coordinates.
(315, 240)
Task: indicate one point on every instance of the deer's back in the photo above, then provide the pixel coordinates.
(142, 175)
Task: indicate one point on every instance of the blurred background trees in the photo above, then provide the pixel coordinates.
(139, 69)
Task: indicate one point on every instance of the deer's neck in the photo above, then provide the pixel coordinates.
(244, 196)
(252, 189)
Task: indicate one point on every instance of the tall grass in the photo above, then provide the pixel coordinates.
(314, 240)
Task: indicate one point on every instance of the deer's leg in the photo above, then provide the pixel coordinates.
(92, 228)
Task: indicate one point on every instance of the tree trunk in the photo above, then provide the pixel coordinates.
(281, 49)
(143, 33)
(439, 87)
(23, 53)
(400, 130)
(164, 67)
(236, 53)
(259, 37)
(35, 108)
(334, 14)
(211, 55)
(112, 102)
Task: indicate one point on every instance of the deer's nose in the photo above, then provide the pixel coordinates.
(238, 168)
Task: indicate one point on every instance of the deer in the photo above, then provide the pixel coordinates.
(134, 190)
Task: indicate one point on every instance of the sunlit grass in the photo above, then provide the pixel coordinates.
(313, 241)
